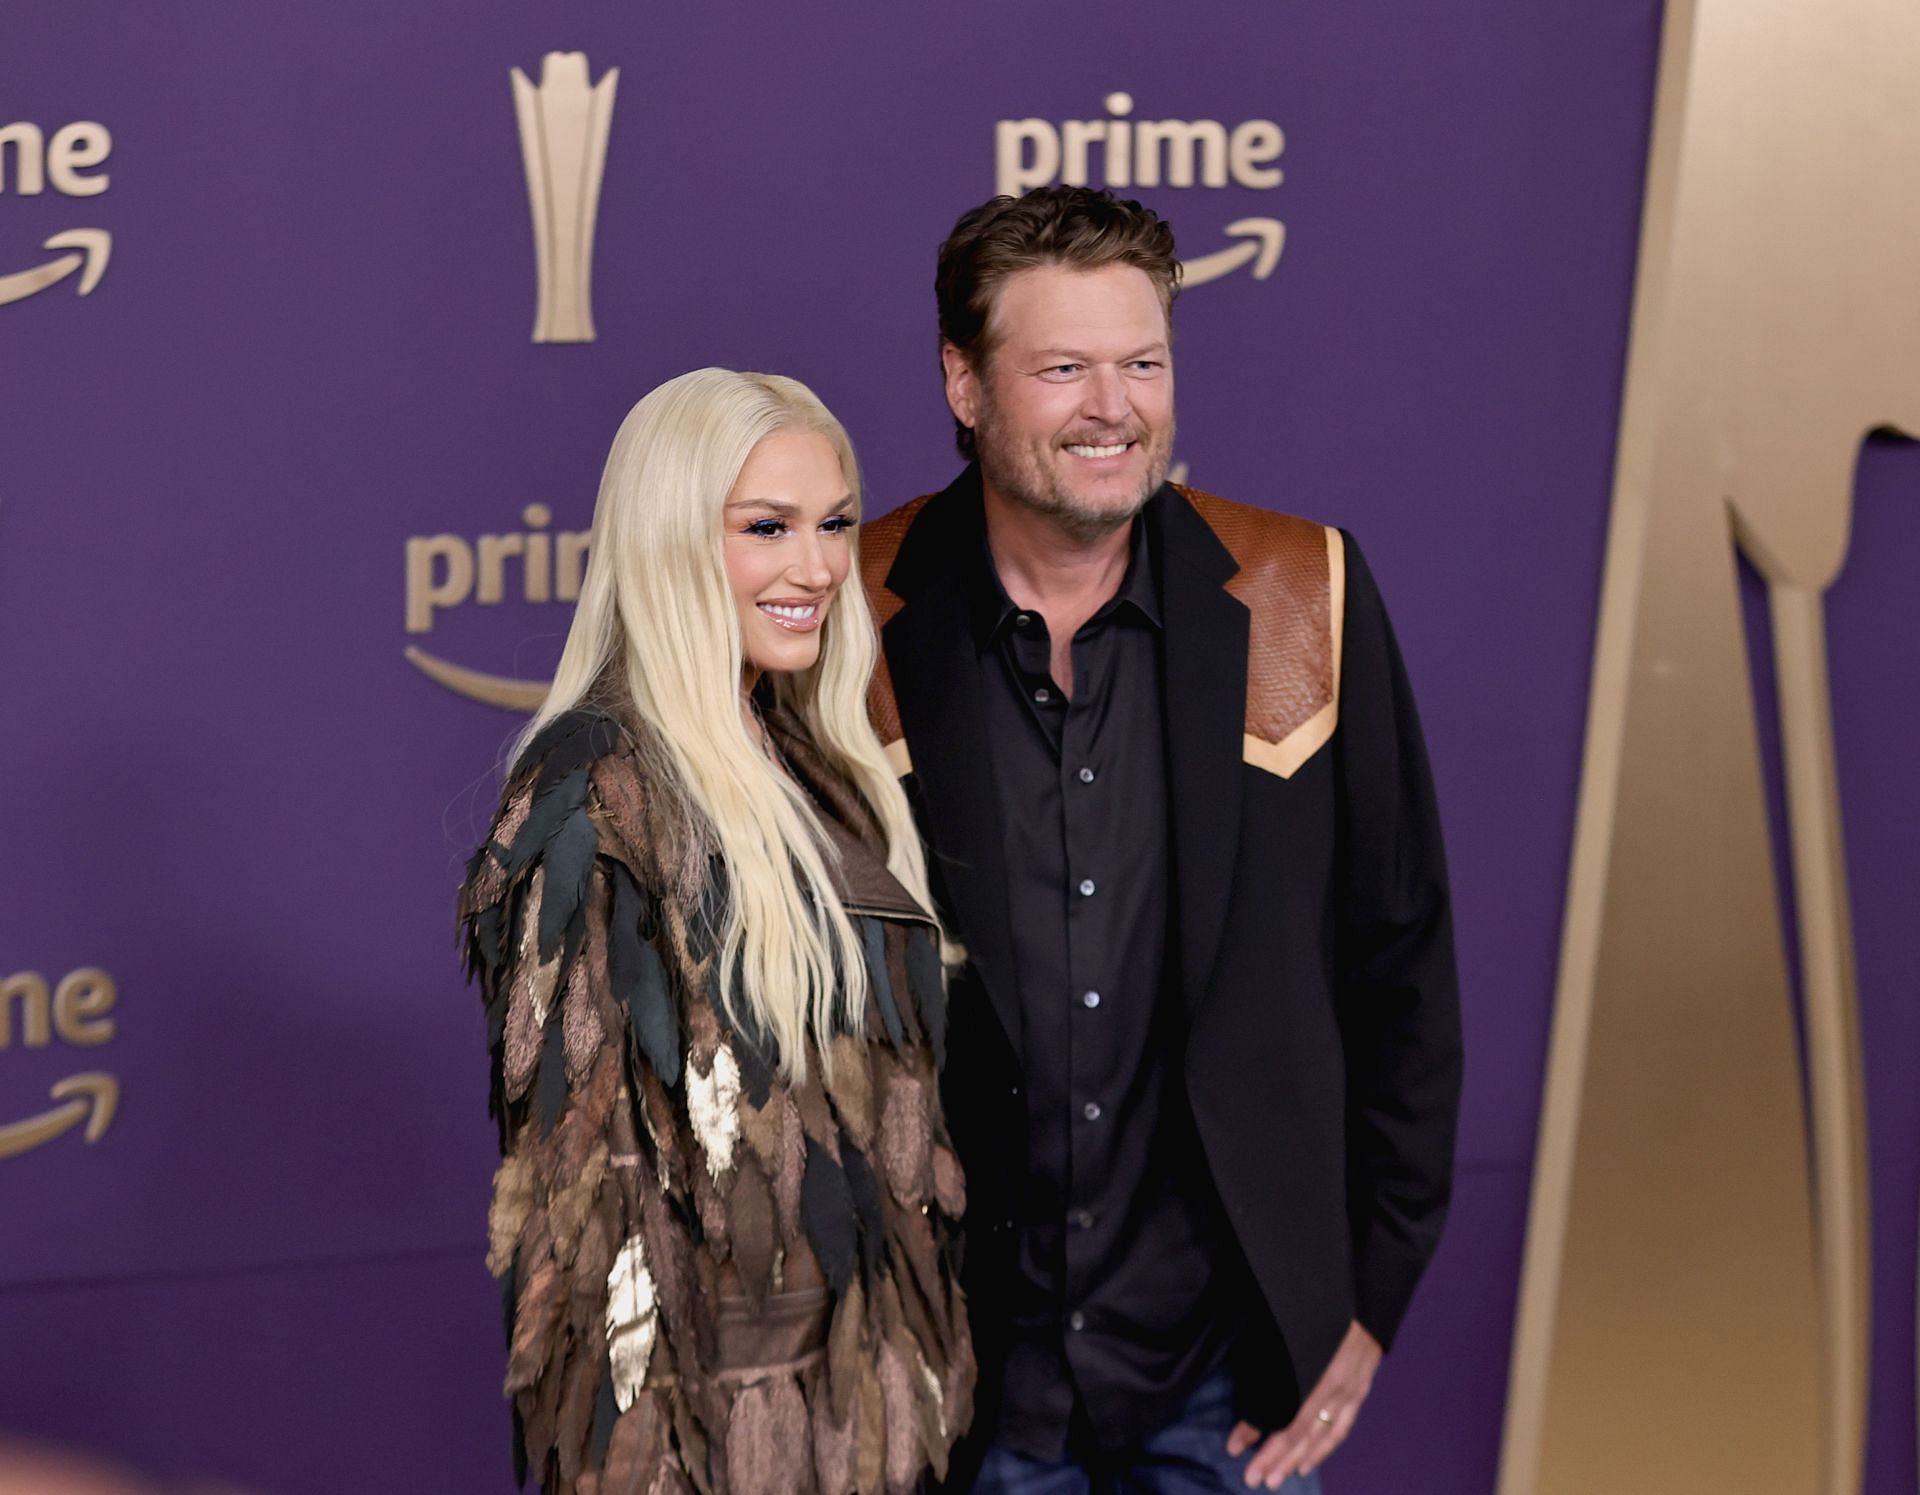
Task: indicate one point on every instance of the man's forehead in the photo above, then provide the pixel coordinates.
(1062, 308)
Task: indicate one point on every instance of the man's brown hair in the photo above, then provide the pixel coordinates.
(1078, 227)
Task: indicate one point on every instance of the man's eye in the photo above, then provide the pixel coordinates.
(766, 529)
(1145, 366)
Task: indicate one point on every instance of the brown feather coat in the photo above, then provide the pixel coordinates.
(675, 1327)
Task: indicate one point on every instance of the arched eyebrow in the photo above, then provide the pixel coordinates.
(786, 508)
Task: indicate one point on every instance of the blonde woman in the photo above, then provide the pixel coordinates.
(727, 1203)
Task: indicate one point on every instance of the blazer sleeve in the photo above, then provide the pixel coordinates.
(1396, 989)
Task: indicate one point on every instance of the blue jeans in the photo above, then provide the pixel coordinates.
(1186, 1457)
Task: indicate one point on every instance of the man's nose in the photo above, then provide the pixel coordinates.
(1106, 399)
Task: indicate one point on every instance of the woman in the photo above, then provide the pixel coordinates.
(715, 997)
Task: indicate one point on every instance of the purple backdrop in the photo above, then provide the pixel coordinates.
(225, 785)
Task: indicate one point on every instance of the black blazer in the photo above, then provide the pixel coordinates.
(1311, 913)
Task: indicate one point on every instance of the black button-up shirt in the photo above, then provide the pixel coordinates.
(1114, 1320)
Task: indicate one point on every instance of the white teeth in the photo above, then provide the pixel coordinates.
(792, 614)
(1099, 451)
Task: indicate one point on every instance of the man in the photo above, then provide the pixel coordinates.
(1204, 1062)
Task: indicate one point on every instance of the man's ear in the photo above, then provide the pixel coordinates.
(963, 385)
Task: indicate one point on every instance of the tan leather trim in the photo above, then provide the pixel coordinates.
(897, 757)
(879, 542)
(1292, 580)
(1285, 756)
(1283, 759)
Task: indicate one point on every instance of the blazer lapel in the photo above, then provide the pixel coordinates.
(1206, 707)
(937, 686)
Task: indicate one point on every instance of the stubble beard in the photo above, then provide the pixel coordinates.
(1026, 481)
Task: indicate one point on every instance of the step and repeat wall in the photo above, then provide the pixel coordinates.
(315, 324)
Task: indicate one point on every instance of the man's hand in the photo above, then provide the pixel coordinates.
(1302, 1445)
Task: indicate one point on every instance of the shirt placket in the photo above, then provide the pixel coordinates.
(1082, 803)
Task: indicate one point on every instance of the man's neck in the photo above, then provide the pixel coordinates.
(1064, 576)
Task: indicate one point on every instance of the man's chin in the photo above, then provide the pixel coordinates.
(1112, 500)
(1090, 516)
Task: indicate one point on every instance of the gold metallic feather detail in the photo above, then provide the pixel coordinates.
(541, 979)
(713, 1107)
(631, 1320)
(935, 1399)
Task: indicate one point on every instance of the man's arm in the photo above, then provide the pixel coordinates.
(1396, 991)
(1398, 1004)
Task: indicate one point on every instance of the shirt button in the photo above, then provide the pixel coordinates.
(1043, 695)
(1023, 620)
(1086, 775)
(1076, 1321)
(1083, 1218)
(1090, 999)
(1091, 1110)
(1086, 887)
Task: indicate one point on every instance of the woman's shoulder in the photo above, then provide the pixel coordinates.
(581, 773)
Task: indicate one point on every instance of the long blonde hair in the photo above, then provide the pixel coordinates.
(656, 619)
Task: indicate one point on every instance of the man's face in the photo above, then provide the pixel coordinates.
(1072, 412)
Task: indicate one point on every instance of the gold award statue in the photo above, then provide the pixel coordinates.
(563, 141)
(1694, 1311)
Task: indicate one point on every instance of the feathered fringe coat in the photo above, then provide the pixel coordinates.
(716, 1283)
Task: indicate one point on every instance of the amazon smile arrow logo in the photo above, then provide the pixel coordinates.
(476, 685)
(96, 1096)
(1263, 238)
(95, 245)
(72, 162)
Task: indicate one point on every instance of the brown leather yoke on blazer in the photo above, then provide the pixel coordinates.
(1292, 579)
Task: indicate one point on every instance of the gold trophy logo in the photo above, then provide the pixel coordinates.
(563, 142)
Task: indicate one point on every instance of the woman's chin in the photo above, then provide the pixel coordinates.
(785, 656)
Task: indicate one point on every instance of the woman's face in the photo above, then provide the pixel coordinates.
(787, 525)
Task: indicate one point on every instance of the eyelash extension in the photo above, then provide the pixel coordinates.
(772, 529)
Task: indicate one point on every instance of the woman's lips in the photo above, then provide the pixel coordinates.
(795, 616)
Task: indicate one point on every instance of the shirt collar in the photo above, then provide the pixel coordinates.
(993, 611)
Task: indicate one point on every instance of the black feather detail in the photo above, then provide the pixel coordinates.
(826, 1214)
(552, 1083)
(686, 1215)
(873, 936)
(756, 1070)
(519, 1449)
(640, 979)
(929, 991)
(568, 861)
(606, 1412)
(865, 1189)
(484, 951)
(550, 811)
(476, 862)
(703, 929)
(570, 741)
(497, 1016)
